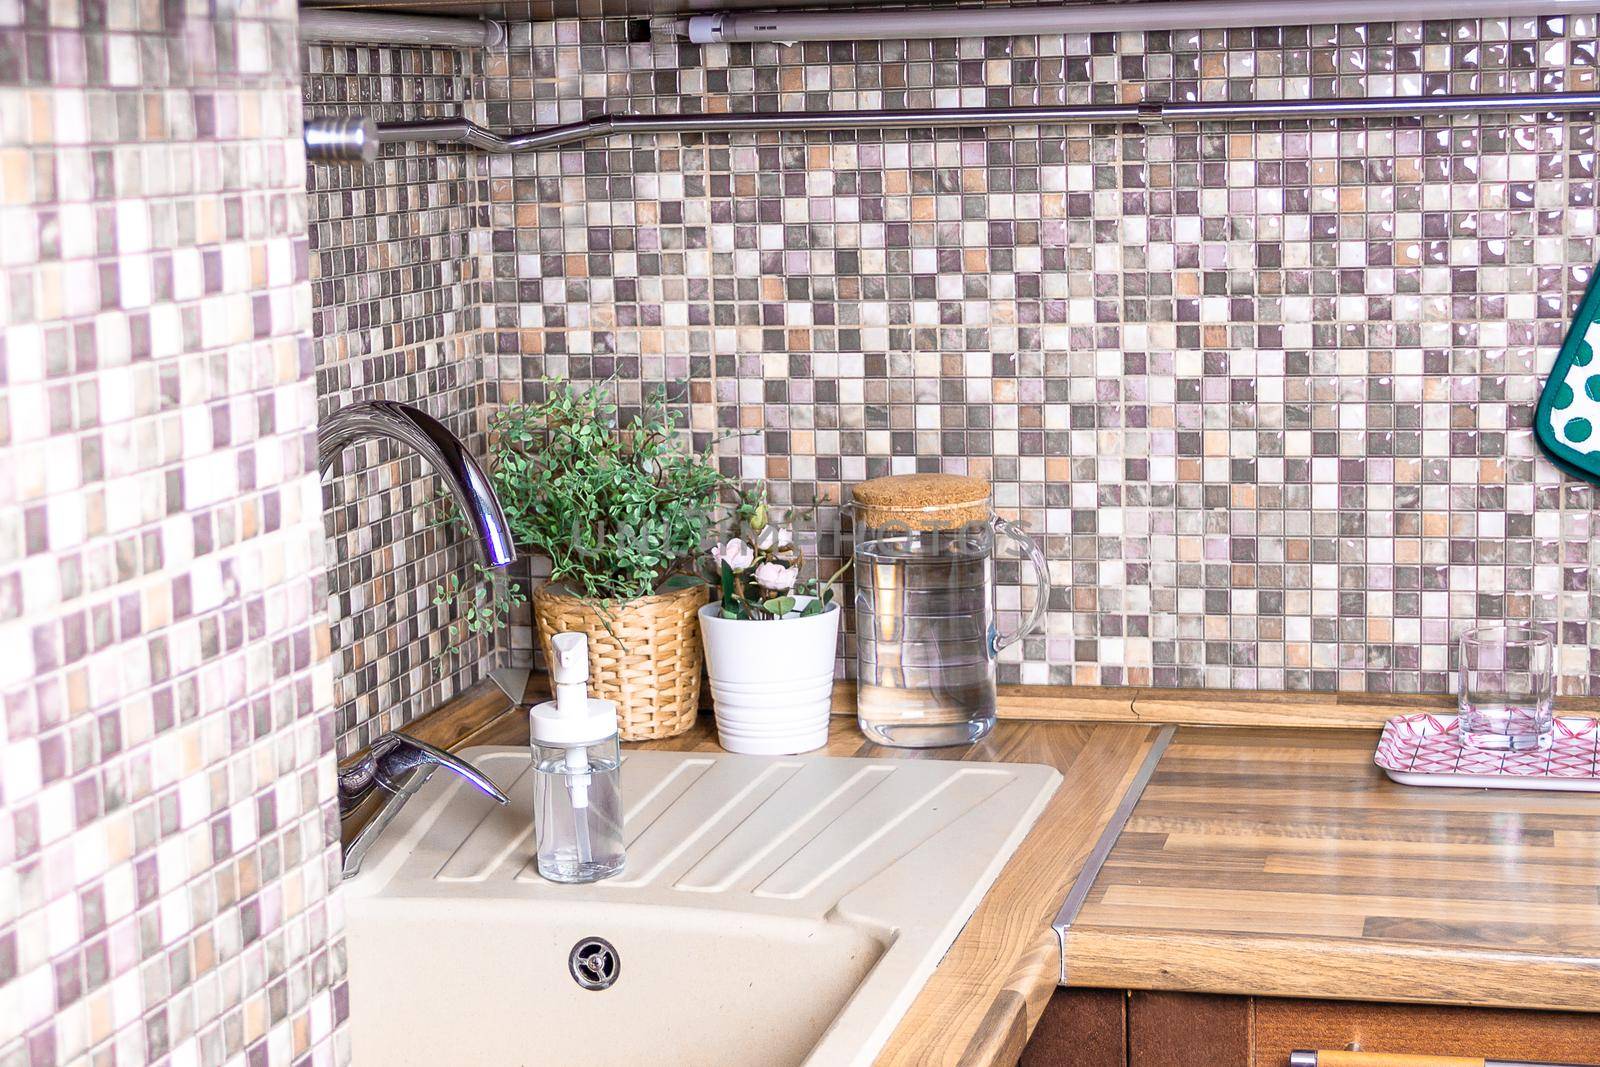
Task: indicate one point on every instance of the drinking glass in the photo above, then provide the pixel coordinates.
(1507, 693)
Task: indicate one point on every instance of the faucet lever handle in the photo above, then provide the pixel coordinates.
(398, 753)
(398, 766)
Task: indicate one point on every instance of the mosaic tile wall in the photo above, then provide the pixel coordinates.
(1263, 391)
(166, 843)
(398, 261)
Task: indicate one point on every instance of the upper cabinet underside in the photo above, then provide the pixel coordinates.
(533, 10)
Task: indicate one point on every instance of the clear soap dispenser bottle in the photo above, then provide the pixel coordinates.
(577, 798)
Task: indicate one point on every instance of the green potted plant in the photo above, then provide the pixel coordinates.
(620, 512)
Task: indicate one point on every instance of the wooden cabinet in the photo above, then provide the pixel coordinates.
(1280, 1026)
(1080, 1028)
(1111, 1028)
(1192, 1029)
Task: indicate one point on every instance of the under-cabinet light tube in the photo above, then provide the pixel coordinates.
(869, 25)
(376, 27)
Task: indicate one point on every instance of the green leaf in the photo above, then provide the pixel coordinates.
(616, 508)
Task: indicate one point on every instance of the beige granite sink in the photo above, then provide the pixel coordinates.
(774, 911)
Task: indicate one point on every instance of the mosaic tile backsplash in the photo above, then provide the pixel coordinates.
(398, 263)
(167, 842)
(1264, 392)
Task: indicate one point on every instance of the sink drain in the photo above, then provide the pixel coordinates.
(594, 963)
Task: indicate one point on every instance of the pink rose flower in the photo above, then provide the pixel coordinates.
(772, 537)
(776, 577)
(736, 554)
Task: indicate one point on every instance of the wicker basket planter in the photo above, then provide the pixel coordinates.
(648, 660)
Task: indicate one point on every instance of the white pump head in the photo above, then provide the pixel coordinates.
(569, 660)
(573, 717)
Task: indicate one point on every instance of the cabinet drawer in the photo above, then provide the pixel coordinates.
(1281, 1026)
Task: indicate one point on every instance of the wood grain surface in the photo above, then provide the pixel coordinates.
(1085, 1028)
(459, 721)
(1281, 1026)
(1188, 1030)
(1282, 862)
(1081, 1028)
(1008, 954)
(1212, 707)
(1087, 703)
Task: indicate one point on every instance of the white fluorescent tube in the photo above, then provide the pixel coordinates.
(788, 27)
(379, 28)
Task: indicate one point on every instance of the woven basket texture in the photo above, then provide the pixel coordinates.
(645, 654)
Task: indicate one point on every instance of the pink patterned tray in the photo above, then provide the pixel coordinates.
(1426, 750)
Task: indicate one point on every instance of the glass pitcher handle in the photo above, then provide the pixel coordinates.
(1041, 577)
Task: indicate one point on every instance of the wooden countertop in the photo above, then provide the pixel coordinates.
(1257, 861)
(1282, 862)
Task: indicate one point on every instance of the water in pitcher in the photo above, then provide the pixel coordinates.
(925, 637)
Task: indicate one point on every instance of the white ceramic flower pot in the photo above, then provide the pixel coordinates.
(771, 681)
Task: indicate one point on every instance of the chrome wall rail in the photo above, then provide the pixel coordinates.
(463, 131)
(1379, 107)
(605, 125)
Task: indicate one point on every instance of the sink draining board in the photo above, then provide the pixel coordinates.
(895, 853)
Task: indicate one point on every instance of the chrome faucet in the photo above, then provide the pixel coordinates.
(394, 768)
(469, 487)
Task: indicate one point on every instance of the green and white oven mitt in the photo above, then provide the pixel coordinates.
(1567, 424)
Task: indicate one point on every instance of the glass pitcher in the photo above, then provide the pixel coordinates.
(926, 635)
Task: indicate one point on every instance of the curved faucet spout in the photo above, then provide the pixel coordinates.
(469, 487)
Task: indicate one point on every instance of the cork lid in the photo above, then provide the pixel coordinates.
(922, 501)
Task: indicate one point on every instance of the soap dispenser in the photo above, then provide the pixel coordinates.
(577, 798)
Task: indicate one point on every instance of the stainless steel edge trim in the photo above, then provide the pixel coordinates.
(464, 131)
(1108, 839)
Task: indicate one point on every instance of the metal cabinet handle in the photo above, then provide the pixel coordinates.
(1349, 1058)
